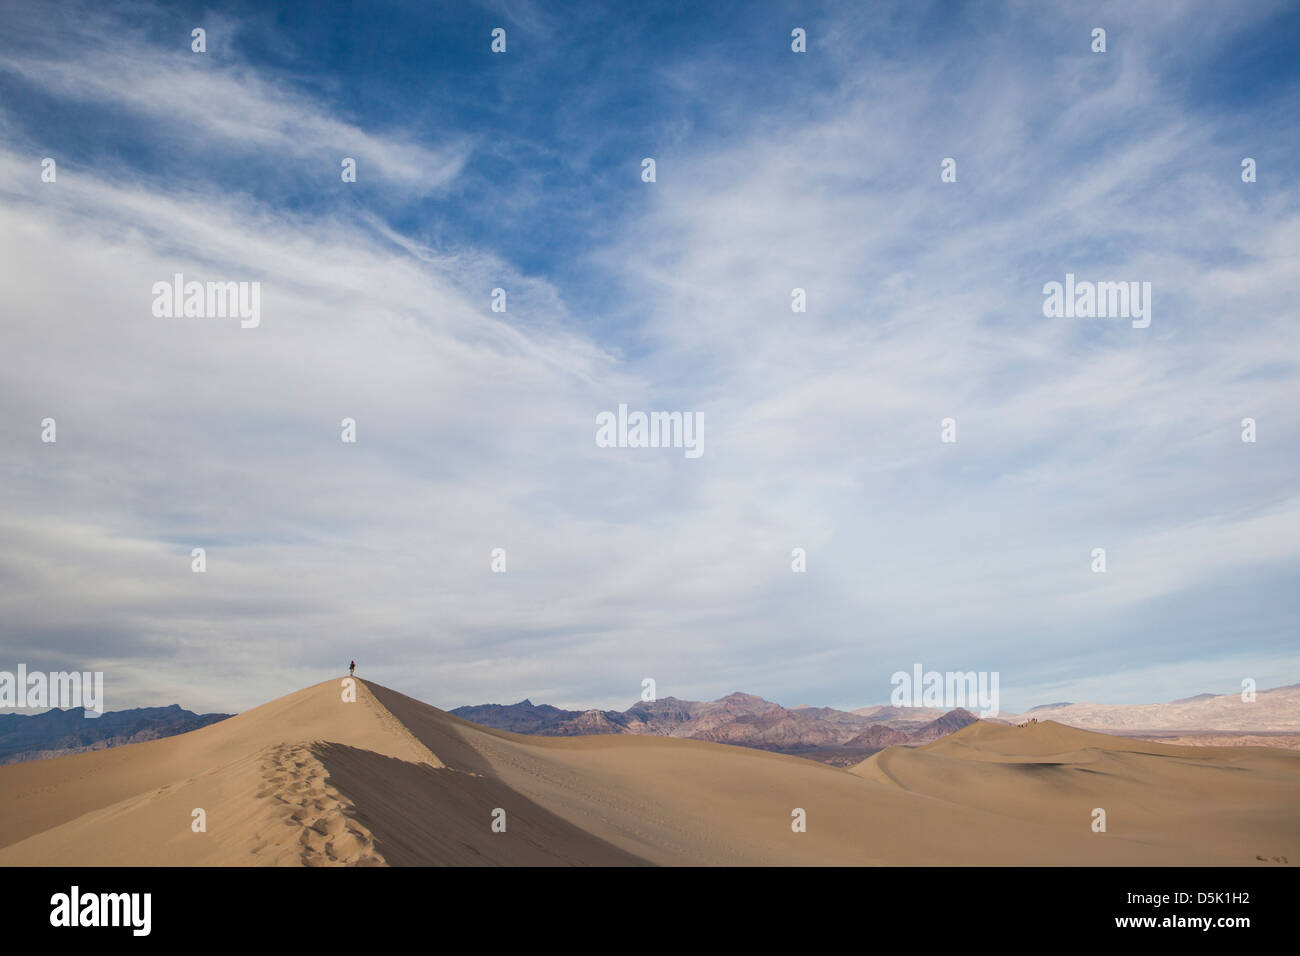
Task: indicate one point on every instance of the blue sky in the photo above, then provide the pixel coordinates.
(775, 170)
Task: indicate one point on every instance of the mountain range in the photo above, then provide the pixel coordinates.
(836, 737)
(842, 737)
(823, 733)
(1271, 711)
(59, 732)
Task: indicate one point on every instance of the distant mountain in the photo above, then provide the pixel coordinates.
(524, 717)
(845, 737)
(949, 723)
(878, 738)
(1271, 711)
(900, 716)
(57, 732)
(591, 722)
(742, 720)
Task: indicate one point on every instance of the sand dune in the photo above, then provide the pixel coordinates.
(1208, 801)
(311, 780)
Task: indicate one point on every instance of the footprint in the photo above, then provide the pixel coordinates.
(326, 832)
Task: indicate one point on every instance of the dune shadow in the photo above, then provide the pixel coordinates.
(437, 730)
(425, 816)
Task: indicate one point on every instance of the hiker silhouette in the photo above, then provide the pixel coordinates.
(352, 667)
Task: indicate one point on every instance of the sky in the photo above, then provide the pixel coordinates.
(775, 170)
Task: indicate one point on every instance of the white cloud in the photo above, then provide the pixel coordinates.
(205, 105)
(476, 429)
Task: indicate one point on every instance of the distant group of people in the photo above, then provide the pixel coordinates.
(1031, 720)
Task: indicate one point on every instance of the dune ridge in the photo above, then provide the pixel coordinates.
(388, 780)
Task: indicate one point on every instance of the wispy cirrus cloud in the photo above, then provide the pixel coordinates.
(821, 427)
(201, 106)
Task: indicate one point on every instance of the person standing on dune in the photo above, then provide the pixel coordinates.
(351, 668)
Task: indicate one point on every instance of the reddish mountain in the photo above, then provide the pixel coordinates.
(743, 720)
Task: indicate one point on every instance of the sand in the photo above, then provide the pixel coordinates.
(387, 780)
